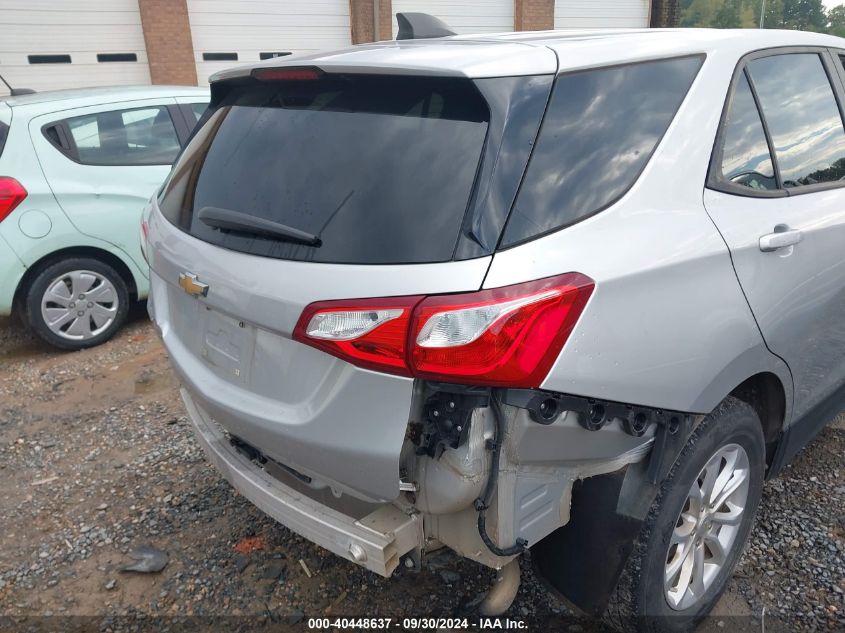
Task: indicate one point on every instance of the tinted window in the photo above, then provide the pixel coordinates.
(198, 109)
(4, 132)
(600, 129)
(380, 168)
(745, 158)
(802, 116)
(142, 136)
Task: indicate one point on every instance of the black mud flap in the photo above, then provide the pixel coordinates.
(584, 559)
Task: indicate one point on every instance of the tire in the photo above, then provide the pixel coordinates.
(76, 303)
(641, 601)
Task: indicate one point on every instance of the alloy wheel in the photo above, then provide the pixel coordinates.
(707, 527)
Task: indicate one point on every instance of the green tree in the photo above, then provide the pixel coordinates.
(804, 15)
(697, 13)
(807, 15)
(836, 21)
(728, 15)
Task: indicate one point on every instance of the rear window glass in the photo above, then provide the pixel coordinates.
(4, 133)
(197, 110)
(5, 120)
(600, 130)
(379, 168)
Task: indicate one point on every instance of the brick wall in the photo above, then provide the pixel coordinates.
(167, 34)
(665, 13)
(361, 16)
(533, 15)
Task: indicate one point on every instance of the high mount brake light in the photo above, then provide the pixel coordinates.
(306, 73)
(507, 336)
(12, 194)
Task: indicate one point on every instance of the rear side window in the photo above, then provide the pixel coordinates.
(5, 121)
(802, 116)
(379, 168)
(745, 158)
(4, 133)
(197, 110)
(600, 130)
(140, 136)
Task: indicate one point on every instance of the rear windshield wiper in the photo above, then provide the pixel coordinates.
(229, 220)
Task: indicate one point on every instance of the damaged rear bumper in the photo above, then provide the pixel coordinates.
(376, 541)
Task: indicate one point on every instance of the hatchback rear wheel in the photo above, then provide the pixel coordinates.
(77, 303)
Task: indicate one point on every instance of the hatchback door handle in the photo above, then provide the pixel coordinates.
(782, 237)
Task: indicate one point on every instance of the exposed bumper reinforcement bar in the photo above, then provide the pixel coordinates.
(376, 541)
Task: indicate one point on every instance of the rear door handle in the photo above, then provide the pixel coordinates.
(782, 237)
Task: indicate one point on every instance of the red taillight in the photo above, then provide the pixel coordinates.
(507, 336)
(370, 333)
(307, 73)
(145, 236)
(12, 194)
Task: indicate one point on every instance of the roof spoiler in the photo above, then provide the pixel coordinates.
(421, 26)
(16, 92)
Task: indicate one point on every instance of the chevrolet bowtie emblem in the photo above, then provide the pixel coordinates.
(190, 284)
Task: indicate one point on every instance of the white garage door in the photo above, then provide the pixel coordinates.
(231, 32)
(46, 44)
(590, 14)
(470, 16)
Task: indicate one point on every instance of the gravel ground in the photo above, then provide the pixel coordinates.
(97, 458)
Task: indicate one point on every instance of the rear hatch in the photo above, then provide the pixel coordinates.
(308, 187)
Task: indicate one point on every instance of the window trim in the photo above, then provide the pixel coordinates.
(500, 246)
(72, 151)
(180, 123)
(764, 122)
(834, 76)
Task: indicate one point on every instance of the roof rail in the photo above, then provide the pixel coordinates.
(420, 26)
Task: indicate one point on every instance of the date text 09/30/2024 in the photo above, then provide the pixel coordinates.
(416, 624)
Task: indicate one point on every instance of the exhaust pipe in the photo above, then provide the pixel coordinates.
(502, 593)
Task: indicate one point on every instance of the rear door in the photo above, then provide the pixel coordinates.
(104, 163)
(777, 194)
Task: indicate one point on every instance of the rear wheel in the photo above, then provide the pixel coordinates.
(77, 303)
(697, 527)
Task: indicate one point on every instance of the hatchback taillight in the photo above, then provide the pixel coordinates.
(12, 194)
(507, 336)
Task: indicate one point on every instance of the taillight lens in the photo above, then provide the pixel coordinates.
(12, 194)
(507, 336)
(370, 333)
(145, 235)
